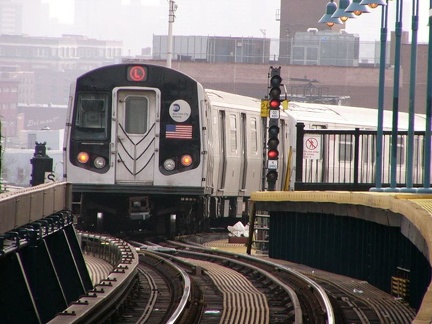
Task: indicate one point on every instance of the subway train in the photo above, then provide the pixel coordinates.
(148, 148)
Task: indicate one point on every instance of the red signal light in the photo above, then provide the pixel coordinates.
(273, 154)
(274, 104)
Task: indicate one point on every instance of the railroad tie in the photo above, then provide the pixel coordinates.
(243, 303)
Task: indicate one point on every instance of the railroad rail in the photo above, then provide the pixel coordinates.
(348, 300)
(304, 300)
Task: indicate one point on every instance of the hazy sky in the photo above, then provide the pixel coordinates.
(248, 18)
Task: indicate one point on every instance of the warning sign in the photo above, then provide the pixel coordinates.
(312, 147)
(264, 108)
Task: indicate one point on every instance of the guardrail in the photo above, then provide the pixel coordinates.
(102, 301)
(20, 207)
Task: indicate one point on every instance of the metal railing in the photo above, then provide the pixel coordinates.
(345, 159)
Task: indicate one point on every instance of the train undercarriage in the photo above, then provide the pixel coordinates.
(167, 215)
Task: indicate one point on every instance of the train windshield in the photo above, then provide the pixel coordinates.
(91, 119)
(136, 115)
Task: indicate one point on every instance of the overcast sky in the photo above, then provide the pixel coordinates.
(249, 18)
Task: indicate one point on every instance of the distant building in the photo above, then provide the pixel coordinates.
(40, 70)
(296, 18)
(47, 65)
(16, 16)
(8, 105)
(213, 49)
(11, 16)
(315, 47)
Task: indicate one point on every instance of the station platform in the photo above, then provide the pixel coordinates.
(411, 212)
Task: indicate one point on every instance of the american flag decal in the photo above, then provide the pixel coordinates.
(179, 131)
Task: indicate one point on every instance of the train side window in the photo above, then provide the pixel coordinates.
(233, 133)
(254, 135)
(345, 147)
(136, 115)
(400, 150)
(368, 149)
(418, 152)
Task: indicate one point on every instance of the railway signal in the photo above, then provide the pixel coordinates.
(273, 128)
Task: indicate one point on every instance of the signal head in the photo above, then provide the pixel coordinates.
(274, 103)
(273, 142)
(273, 154)
(272, 175)
(273, 131)
(275, 80)
(275, 93)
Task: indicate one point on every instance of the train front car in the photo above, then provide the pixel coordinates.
(135, 150)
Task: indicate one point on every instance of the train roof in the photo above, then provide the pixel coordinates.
(356, 116)
(231, 100)
(364, 118)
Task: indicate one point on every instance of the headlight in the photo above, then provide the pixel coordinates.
(99, 162)
(186, 160)
(169, 164)
(82, 157)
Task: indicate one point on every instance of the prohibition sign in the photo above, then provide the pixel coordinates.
(312, 147)
(311, 143)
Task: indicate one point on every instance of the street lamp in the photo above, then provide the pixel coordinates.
(427, 144)
(341, 11)
(171, 18)
(327, 17)
(373, 3)
(381, 81)
(356, 8)
(264, 32)
(413, 71)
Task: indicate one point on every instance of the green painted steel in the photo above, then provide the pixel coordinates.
(350, 246)
(16, 301)
(42, 270)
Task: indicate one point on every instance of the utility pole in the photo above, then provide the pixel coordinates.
(171, 18)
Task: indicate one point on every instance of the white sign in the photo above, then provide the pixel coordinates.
(49, 177)
(312, 147)
(180, 111)
(274, 113)
(272, 164)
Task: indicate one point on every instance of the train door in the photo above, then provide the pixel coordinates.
(222, 152)
(135, 135)
(233, 153)
(243, 155)
(251, 178)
